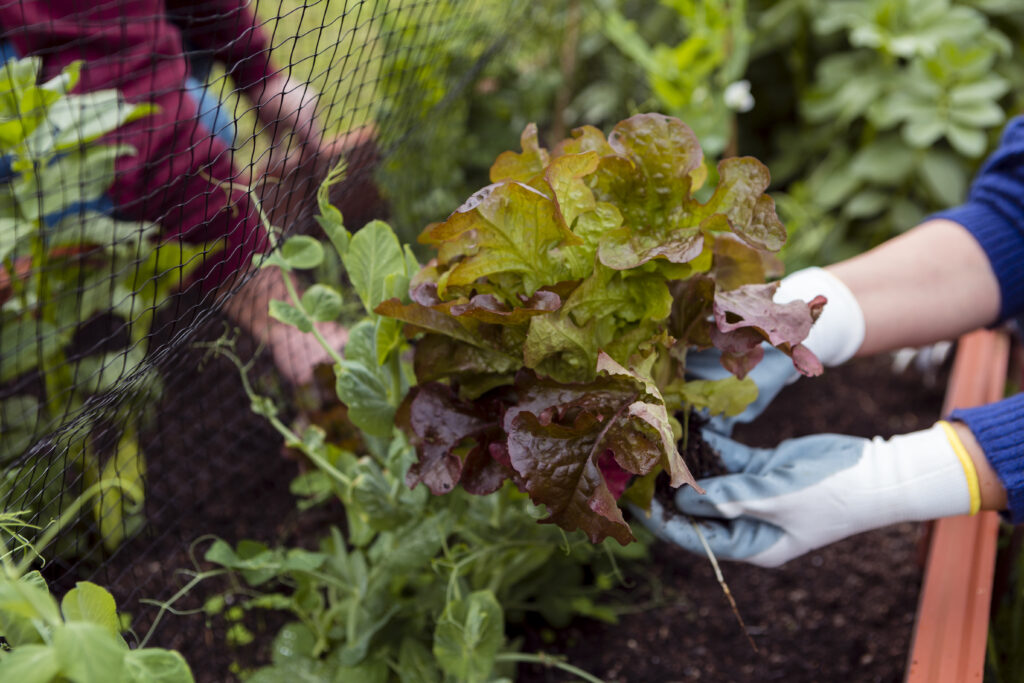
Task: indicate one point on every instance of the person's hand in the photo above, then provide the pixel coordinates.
(288, 107)
(834, 339)
(776, 504)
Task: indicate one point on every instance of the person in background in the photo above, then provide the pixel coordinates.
(956, 272)
(184, 175)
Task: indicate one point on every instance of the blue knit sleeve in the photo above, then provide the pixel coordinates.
(998, 427)
(994, 215)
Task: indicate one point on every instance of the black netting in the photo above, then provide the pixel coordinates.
(139, 140)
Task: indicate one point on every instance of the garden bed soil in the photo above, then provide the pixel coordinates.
(842, 613)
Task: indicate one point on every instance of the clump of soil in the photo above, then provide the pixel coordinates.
(842, 613)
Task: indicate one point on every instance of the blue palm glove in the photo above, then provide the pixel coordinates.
(776, 504)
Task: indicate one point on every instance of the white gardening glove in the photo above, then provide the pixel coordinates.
(835, 337)
(777, 504)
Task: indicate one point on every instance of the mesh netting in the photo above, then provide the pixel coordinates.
(140, 141)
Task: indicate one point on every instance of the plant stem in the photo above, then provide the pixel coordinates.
(293, 294)
(722, 583)
(166, 606)
(547, 660)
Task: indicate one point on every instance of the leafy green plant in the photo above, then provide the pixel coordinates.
(695, 78)
(418, 587)
(65, 262)
(897, 101)
(78, 640)
(560, 309)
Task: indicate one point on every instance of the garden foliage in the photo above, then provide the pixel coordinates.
(66, 263)
(871, 114)
(78, 640)
(418, 587)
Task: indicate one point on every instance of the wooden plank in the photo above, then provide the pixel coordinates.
(951, 628)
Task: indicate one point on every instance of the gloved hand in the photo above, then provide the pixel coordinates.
(835, 338)
(779, 503)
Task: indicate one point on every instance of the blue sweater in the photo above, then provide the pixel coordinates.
(994, 215)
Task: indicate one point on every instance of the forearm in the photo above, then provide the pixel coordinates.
(929, 284)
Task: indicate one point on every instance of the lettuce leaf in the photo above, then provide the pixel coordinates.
(565, 296)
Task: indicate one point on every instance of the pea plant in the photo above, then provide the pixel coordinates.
(78, 639)
(64, 261)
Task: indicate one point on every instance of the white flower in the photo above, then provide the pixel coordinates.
(737, 96)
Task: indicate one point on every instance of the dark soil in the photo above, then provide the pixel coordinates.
(842, 613)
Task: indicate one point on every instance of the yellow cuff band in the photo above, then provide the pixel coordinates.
(973, 487)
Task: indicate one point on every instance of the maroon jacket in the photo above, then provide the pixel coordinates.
(180, 173)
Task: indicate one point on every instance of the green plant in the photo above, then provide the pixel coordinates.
(419, 587)
(897, 101)
(694, 79)
(65, 263)
(78, 640)
(560, 309)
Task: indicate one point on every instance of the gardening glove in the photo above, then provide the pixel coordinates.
(777, 504)
(835, 338)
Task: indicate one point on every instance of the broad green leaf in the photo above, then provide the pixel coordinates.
(118, 510)
(416, 664)
(29, 601)
(91, 603)
(564, 178)
(92, 228)
(468, 636)
(256, 562)
(302, 251)
(101, 373)
(609, 292)
(559, 348)
(511, 234)
(944, 176)
(374, 670)
(522, 166)
(10, 227)
(75, 177)
(988, 89)
(968, 141)
(977, 114)
(29, 664)
(729, 396)
(322, 303)
(374, 254)
(290, 315)
(388, 338)
(366, 624)
(155, 665)
(89, 653)
(24, 342)
(368, 400)
(294, 640)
